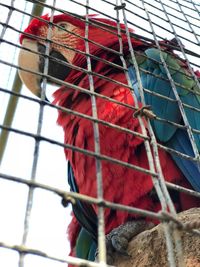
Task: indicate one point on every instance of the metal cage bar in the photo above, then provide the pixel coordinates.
(122, 9)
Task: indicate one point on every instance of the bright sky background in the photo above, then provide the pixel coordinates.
(49, 219)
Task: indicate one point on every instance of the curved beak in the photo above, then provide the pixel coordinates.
(35, 62)
(30, 61)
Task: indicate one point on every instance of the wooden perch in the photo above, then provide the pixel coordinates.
(148, 249)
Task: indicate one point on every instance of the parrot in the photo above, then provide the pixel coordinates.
(115, 104)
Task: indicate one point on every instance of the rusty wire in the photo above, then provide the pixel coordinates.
(121, 7)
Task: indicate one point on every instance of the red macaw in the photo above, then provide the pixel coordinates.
(121, 184)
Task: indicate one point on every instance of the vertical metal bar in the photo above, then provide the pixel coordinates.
(192, 30)
(7, 21)
(165, 195)
(16, 88)
(147, 145)
(169, 245)
(194, 5)
(7, 118)
(101, 222)
(37, 142)
(180, 104)
(10, 111)
(160, 183)
(176, 233)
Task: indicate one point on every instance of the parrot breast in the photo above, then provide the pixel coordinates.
(120, 184)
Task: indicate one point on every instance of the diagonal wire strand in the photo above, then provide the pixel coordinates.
(36, 151)
(101, 222)
(179, 6)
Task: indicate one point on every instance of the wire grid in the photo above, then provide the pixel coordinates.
(153, 21)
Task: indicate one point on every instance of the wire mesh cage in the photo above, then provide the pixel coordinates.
(129, 92)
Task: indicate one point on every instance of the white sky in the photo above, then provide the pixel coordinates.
(48, 219)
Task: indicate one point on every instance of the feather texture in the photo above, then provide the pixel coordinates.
(120, 184)
(154, 78)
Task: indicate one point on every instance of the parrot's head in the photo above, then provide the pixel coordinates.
(34, 43)
(64, 42)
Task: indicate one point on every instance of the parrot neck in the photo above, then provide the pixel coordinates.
(107, 38)
(68, 95)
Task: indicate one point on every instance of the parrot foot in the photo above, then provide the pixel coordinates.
(145, 111)
(117, 240)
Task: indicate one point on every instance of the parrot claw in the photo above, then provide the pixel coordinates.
(145, 111)
(117, 240)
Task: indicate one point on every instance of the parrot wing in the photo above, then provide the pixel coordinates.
(83, 211)
(191, 169)
(154, 78)
(85, 245)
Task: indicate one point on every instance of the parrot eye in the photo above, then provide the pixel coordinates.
(63, 25)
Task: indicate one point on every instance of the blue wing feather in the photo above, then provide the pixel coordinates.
(154, 78)
(192, 115)
(83, 211)
(163, 108)
(191, 169)
(85, 246)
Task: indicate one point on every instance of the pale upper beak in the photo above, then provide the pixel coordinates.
(30, 60)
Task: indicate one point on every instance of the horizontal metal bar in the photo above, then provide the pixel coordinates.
(81, 150)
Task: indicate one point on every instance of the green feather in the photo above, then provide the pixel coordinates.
(150, 64)
(85, 246)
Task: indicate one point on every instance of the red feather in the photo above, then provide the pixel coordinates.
(120, 184)
(129, 187)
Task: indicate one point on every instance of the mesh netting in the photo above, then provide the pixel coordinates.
(33, 166)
